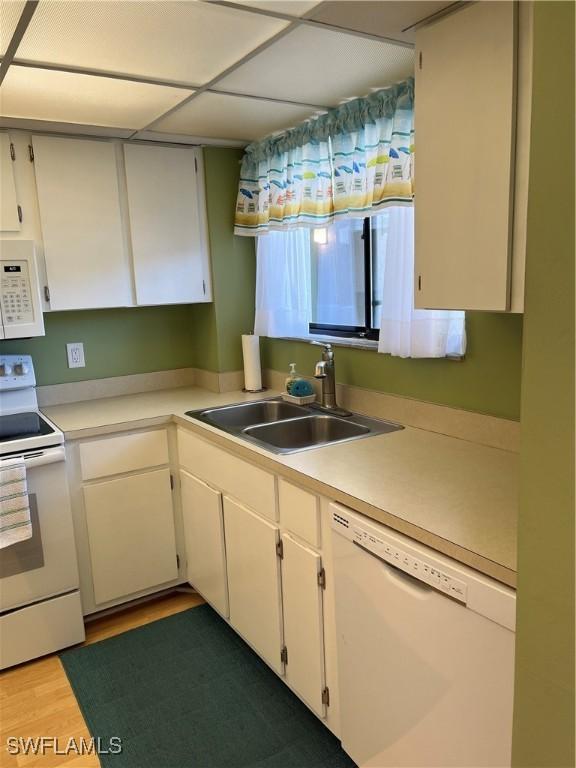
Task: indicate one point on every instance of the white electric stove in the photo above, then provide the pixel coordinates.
(40, 609)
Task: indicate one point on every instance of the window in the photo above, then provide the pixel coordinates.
(347, 262)
(355, 279)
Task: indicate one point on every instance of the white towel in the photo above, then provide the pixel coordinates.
(15, 524)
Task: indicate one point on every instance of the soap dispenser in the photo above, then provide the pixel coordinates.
(292, 376)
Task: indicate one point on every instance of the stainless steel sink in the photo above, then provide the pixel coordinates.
(285, 428)
(247, 414)
(306, 432)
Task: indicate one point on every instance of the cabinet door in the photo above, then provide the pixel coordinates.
(27, 197)
(166, 225)
(254, 580)
(464, 127)
(246, 482)
(84, 246)
(131, 534)
(204, 535)
(9, 220)
(303, 622)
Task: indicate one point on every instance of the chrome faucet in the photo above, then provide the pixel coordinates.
(324, 371)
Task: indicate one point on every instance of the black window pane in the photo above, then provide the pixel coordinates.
(379, 236)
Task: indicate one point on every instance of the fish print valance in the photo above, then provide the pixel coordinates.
(351, 161)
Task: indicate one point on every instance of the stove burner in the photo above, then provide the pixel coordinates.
(16, 426)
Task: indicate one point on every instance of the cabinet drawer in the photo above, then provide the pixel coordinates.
(240, 479)
(125, 453)
(299, 512)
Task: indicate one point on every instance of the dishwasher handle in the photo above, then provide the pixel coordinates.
(406, 579)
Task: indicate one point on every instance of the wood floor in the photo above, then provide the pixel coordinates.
(36, 698)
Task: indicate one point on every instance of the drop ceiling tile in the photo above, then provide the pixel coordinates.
(291, 7)
(318, 66)
(387, 19)
(186, 42)
(10, 12)
(63, 97)
(213, 115)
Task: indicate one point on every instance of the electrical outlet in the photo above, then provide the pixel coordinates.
(75, 352)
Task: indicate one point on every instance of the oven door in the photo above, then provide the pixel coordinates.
(44, 565)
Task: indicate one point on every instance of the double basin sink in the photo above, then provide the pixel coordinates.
(283, 427)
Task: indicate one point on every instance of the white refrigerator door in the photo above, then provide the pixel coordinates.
(424, 681)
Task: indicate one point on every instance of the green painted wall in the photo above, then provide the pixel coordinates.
(117, 342)
(544, 706)
(120, 342)
(487, 380)
(219, 326)
(139, 340)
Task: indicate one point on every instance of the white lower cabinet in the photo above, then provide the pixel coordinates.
(230, 474)
(131, 534)
(202, 515)
(257, 549)
(302, 577)
(254, 590)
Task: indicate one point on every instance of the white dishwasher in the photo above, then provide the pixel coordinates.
(425, 653)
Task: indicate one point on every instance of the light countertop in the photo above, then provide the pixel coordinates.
(456, 496)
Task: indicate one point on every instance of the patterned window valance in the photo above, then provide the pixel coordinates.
(351, 161)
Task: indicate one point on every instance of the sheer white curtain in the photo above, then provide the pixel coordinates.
(283, 284)
(405, 331)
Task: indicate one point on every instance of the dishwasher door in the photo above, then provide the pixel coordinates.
(425, 653)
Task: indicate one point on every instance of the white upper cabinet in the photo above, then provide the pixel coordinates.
(167, 224)
(84, 244)
(465, 127)
(121, 225)
(9, 218)
(19, 145)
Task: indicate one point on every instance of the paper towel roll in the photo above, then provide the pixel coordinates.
(252, 370)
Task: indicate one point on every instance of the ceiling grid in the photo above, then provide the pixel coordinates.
(196, 69)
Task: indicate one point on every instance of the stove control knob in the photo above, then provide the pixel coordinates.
(20, 369)
(5, 369)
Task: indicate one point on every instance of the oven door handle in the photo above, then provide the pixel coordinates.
(40, 458)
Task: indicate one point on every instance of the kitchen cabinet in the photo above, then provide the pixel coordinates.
(203, 519)
(299, 512)
(253, 568)
(472, 115)
(131, 534)
(123, 453)
(167, 224)
(251, 485)
(127, 515)
(9, 214)
(302, 583)
(278, 574)
(23, 175)
(122, 224)
(84, 242)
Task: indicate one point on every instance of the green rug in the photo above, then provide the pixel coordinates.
(187, 692)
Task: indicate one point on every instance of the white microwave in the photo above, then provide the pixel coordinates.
(20, 303)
